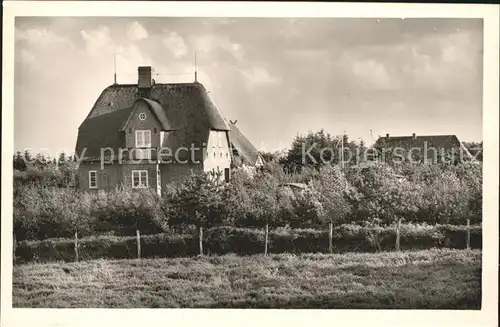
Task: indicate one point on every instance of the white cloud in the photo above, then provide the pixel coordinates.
(452, 51)
(373, 74)
(293, 29)
(136, 31)
(447, 66)
(259, 76)
(97, 40)
(175, 44)
(210, 42)
(40, 36)
(128, 58)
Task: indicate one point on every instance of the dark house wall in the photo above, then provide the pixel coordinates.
(107, 178)
(113, 175)
(175, 172)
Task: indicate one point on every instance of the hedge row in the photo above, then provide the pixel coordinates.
(243, 241)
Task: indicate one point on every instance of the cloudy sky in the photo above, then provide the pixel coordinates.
(277, 77)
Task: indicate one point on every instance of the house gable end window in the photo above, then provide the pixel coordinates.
(93, 179)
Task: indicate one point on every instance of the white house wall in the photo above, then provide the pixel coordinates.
(218, 156)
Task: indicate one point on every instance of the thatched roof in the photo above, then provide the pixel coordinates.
(183, 109)
(182, 103)
(102, 131)
(246, 153)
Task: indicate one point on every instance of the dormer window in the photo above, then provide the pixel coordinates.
(143, 139)
(143, 144)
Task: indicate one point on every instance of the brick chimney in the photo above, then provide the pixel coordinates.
(414, 136)
(387, 136)
(144, 81)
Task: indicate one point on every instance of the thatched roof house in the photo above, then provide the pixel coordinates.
(150, 116)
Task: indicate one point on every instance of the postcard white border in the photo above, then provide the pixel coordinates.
(488, 316)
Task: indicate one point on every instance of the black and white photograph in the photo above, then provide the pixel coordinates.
(251, 162)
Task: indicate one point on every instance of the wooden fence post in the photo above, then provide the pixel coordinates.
(330, 238)
(201, 240)
(267, 237)
(467, 240)
(76, 245)
(398, 227)
(138, 237)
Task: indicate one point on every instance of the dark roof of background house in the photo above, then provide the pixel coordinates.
(248, 154)
(436, 141)
(185, 109)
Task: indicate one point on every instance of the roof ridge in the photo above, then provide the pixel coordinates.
(410, 136)
(156, 84)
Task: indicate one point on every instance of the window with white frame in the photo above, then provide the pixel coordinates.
(139, 178)
(93, 179)
(143, 144)
(143, 139)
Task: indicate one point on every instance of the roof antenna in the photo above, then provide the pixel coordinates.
(195, 69)
(114, 66)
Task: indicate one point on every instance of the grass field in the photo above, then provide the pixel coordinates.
(437, 279)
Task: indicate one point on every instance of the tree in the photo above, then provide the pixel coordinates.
(266, 209)
(333, 189)
(307, 208)
(41, 161)
(262, 202)
(67, 169)
(77, 215)
(27, 156)
(455, 196)
(270, 156)
(237, 199)
(196, 201)
(315, 150)
(61, 159)
(19, 162)
(475, 149)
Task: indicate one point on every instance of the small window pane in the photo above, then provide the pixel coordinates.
(139, 138)
(92, 179)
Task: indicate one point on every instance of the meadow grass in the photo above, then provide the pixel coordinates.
(429, 279)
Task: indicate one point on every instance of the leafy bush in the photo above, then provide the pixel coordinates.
(50, 212)
(432, 194)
